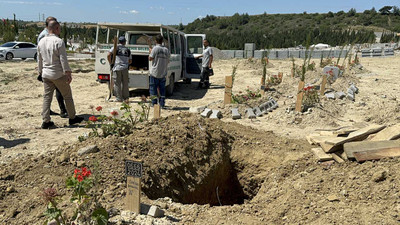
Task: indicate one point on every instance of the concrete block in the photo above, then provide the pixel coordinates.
(330, 95)
(316, 54)
(250, 113)
(249, 46)
(275, 104)
(340, 95)
(206, 113)
(88, 149)
(303, 53)
(350, 95)
(258, 54)
(249, 54)
(327, 53)
(155, 212)
(216, 114)
(197, 109)
(264, 108)
(239, 54)
(270, 106)
(282, 54)
(272, 54)
(294, 53)
(257, 111)
(229, 53)
(354, 88)
(235, 114)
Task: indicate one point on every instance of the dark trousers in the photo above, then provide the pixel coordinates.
(205, 77)
(60, 101)
(157, 83)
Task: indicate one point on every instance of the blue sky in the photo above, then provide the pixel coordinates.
(170, 11)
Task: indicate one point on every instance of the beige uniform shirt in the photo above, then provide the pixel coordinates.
(52, 57)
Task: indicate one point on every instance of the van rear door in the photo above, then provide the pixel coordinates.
(193, 47)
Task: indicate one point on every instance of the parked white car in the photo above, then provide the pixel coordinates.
(17, 49)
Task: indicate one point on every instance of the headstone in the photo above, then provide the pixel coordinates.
(134, 173)
(235, 114)
(250, 113)
(335, 70)
(216, 114)
(323, 84)
(206, 113)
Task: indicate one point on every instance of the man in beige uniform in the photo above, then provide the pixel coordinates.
(54, 68)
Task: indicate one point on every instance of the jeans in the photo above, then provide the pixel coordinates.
(205, 77)
(157, 83)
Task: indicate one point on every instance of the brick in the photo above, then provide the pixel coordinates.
(156, 212)
(250, 113)
(235, 114)
(216, 114)
(206, 113)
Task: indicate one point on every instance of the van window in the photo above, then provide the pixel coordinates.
(172, 42)
(195, 45)
(165, 36)
(141, 39)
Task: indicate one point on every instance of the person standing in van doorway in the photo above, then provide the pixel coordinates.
(206, 65)
(120, 70)
(159, 57)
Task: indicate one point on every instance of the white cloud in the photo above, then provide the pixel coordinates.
(157, 7)
(129, 12)
(31, 3)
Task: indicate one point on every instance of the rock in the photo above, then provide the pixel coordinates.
(383, 96)
(64, 157)
(332, 198)
(80, 163)
(113, 212)
(88, 149)
(163, 205)
(380, 175)
(197, 109)
(155, 212)
(128, 216)
(10, 189)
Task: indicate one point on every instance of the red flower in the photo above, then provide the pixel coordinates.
(76, 171)
(99, 108)
(93, 118)
(114, 113)
(80, 178)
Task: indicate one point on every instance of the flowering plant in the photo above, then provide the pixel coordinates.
(244, 97)
(310, 97)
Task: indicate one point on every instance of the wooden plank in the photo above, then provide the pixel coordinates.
(328, 148)
(323, 84)
(365, 146)
(309, 138)
(358, 135)
(157, 111)
(377, 154)
(300, 94)
(337, 158)
(320, 139)
(327, 133)
(321, 155)
(389, 133)
(228, 90)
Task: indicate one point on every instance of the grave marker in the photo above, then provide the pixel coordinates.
(300, 94)
(157, 111)
(323, 84)
(134, 173)
(228, 90)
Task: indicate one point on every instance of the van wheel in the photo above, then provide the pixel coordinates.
(170, 87)
(9, 56)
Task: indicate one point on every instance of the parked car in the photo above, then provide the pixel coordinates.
(17, 49)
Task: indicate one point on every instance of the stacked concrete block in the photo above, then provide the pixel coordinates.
(249, 54)
(229, 53)
(282, 54)
(389, 52)
(376, 52)
(235, 114)
(206, 113)
(239, 54)
(258, 54)
(272, 54)
(250, 113)
(294, 53)
(366, 53)
(257, 111)
(249, 46)
(216, 114)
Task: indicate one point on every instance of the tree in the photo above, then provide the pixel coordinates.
(385, 10)
(396, 11)
(330, 14)
(352, 12)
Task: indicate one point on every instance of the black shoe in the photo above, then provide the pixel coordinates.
(47, 125)
(64, 115)
(52, 113)
(75, 120)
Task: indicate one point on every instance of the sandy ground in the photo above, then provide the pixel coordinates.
(21, 101)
